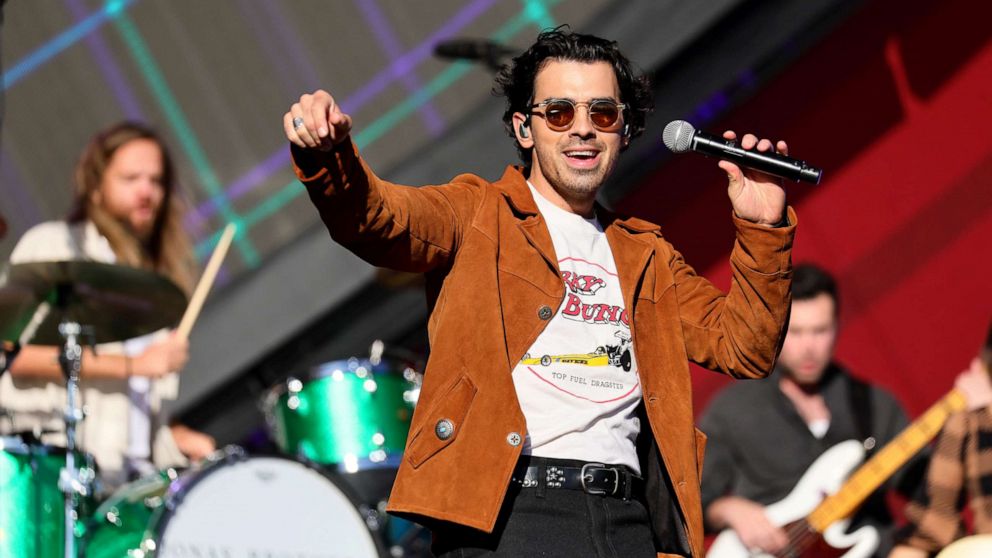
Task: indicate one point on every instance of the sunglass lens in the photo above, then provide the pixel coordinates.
(559, 114)
(604, 115)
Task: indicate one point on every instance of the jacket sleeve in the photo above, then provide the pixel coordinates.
(740, 333)
(388, 225)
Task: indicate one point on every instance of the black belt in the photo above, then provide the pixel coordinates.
(591, 478)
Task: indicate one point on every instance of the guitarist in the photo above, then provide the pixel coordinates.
(764, 435)
(959, 473)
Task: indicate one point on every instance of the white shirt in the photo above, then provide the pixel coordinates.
(578, 386)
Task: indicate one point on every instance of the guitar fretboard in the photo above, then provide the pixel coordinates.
(872, 474)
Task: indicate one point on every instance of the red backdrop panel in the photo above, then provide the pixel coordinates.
(896, 105)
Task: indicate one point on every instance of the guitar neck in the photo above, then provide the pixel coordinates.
(885, 463)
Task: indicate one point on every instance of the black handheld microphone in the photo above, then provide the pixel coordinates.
(680, 136)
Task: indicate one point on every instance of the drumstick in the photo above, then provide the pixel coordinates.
(206, 281)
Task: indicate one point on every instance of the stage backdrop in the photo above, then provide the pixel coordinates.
(897, 106)
(216, 78)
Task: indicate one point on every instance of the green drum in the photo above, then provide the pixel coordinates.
(120, 524)
(349, 413)
(32, 506)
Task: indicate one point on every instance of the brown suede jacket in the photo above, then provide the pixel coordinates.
(492, 278)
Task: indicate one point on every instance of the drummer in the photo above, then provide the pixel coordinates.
(126, 211)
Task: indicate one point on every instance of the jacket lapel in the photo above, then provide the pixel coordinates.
(529, 219)
(631, 252)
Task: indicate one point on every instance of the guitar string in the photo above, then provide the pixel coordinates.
(798, 542)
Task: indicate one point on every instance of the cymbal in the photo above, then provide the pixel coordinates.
(118, 302)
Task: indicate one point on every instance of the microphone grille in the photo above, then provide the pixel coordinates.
(678, 136)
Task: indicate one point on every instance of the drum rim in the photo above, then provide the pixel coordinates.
(19, 446)
(236, 454)
(271, 395)
(15, 445)
(350, 366)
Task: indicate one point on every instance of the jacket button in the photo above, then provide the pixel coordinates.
(444, 429)
(513, 439)
(544, 312)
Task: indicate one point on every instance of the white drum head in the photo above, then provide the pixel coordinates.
(265, 506)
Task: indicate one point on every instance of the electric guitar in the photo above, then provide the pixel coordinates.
(815, 515)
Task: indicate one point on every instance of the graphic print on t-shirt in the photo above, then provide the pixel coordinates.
(587, 301)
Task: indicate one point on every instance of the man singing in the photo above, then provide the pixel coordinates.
(556, 416)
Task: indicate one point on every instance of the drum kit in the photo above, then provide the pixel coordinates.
(340, 428)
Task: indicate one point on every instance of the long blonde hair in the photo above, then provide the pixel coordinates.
(168, 249)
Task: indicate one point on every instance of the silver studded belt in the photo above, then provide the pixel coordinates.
(591, 478)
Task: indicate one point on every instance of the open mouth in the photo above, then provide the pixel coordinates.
(582, 157)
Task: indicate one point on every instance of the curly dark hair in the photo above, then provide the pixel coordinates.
(515, 80)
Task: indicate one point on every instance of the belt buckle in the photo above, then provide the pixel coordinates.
(600, 491)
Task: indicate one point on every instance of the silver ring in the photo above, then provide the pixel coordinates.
(297, 122)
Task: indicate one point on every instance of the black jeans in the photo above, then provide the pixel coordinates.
(554, 522)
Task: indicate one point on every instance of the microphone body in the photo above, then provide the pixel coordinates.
(478, 50)
(680, 136)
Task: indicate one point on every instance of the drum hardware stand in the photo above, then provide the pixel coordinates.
(375, 351)
(378, 350)
(73, 481)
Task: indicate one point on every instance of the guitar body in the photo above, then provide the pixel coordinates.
(975, 546)
(824, 477)
(829, 492)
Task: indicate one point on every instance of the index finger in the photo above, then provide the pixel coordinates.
(782, 147)
(321, 114)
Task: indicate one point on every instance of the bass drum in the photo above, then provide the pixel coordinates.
(234, 505)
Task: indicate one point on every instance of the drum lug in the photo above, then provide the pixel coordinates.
(371, 516)
(153, 502)
(293, 387)
(112, 517)
(148, 545)
(293, 402)
(377, 456)
(232, 453)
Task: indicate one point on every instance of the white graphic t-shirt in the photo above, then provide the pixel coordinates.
(578, 385)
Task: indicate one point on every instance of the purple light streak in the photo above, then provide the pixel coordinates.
(241, 186)
(24, 210)
(108, 67)
(399, 67)
(290, 40)
(387, 38)
(275, 46)
(410, 60)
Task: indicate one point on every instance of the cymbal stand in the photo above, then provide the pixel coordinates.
(70, 480)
